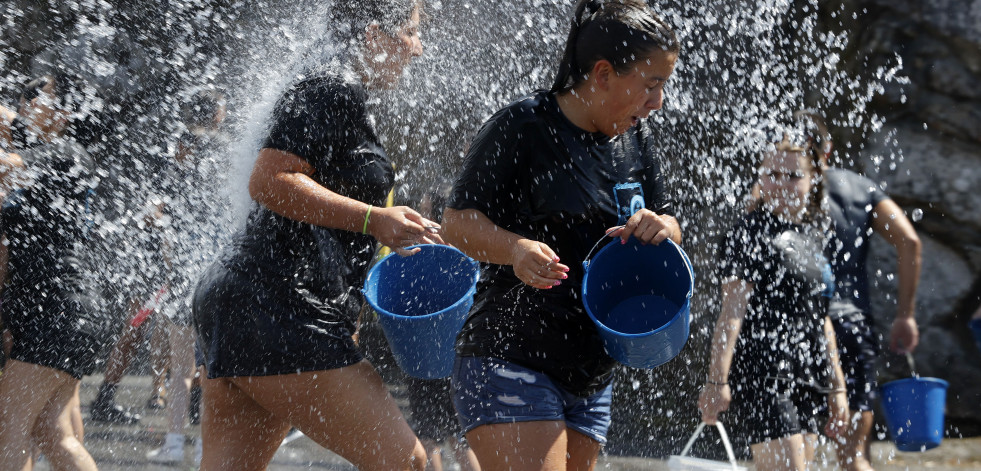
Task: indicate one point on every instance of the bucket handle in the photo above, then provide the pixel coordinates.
(589, 256)
(725, 442)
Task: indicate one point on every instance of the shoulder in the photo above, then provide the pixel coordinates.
(850, 184)
(522, 112)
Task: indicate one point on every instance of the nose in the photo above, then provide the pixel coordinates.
(416, 46)
(655, 100)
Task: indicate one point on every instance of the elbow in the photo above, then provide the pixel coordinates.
(450, 226)
(911, 245)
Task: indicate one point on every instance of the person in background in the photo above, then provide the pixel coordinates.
(50, 307)
(544, 179)
(859, 208)
(275, 313)
(773, 341)
(183, 184)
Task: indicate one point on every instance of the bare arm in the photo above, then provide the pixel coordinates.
(716, 395)
(282, 182)
(838, 398)
(475, 234)
(889, 221)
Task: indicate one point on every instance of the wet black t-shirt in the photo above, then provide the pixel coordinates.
(323, 120)
(48, 223)
(782, 335)
(853, 198)
(532, 172)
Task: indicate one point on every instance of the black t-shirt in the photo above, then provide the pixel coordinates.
(853, 198)
(48, 223)
(782, 335)
(532, 172)
(323, 120)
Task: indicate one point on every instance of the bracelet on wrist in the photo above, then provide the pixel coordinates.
(714, 383)
(364, 229)
(838, 390)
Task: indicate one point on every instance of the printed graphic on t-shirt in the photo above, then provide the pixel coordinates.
(629, 199)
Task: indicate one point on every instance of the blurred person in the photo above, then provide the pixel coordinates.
(858, 208)
(544, 179)
(275, 314)
(182, 180)
(50, 307)
(773, 342)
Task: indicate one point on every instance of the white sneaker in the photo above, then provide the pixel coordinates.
(166, 454)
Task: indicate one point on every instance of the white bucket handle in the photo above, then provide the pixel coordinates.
(725, 442)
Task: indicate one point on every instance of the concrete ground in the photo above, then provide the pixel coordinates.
(119, 447)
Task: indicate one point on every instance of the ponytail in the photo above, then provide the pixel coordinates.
(619, 31)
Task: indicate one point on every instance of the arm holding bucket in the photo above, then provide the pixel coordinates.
(889, 221)
(534, 262)
(716, 394)
(649, 228)
(837, 398)
(281, 181)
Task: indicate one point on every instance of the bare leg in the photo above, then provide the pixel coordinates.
(237, 432)
(181, 375)
(582, 450)
(853, 454)
(346, 410)
(44, 411)
(55, 434)
(434, 455)
(780, 455)
(464, 455)
(122, 352)
(159, 361)
(521, 446)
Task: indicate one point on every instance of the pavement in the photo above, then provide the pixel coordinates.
(122, 447)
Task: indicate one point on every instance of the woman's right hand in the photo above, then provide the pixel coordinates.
(401, 226)
(713, 400)
(535, 264)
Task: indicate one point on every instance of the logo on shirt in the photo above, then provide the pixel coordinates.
(629, 199)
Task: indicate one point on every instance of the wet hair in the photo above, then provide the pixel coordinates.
(389, 15)
(69, 90)
(619, 31)
(200, 110)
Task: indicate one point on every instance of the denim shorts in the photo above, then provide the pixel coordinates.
(493, 391)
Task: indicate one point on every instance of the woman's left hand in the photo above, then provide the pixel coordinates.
(838, 420)
(647, 226)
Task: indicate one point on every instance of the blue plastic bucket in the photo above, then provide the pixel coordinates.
(639, 297)
(914, 409)
(422, 302)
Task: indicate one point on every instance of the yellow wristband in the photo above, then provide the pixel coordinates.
(364, 230)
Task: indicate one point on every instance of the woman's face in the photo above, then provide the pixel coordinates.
(785, 183)
(633, 94)
(388, 55)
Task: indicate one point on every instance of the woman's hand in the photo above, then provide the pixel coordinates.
(838, 418)
(713, 400)
(400, 226)
(647, 226)
(536, 265)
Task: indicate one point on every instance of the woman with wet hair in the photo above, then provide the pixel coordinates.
(544, 179)
(50, 306)
(773, 333)
(276, 312)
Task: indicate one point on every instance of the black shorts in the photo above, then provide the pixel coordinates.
(59, 333)
(772, 409)
(255, 327)
(858, 350)
(431, 409)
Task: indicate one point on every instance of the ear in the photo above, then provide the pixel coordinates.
(602, 73)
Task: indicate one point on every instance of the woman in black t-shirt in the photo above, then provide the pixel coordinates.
(776, 286)
(546, 177)
(275, 314)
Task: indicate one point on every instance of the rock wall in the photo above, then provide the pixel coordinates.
(928, 157)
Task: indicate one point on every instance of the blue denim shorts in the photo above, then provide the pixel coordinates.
(493, 391)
